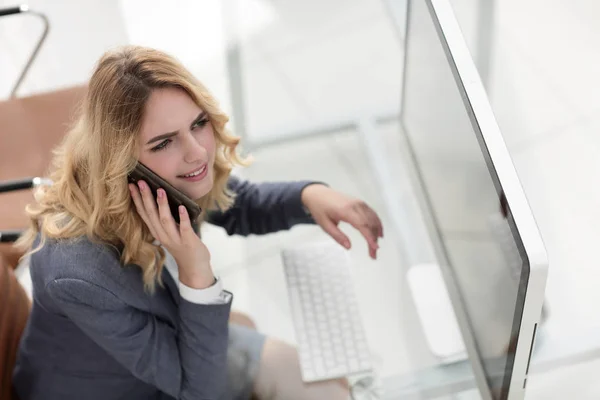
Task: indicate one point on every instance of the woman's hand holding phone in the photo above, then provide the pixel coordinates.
(188, 250)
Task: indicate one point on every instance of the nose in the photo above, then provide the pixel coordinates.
(194, 151)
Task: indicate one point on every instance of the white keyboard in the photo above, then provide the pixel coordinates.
(329, 330)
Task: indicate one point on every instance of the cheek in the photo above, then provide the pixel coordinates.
(160, 163)
(209, 142)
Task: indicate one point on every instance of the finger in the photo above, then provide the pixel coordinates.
(371, 240)
(373, 221)
(185, 226)
(151, 210)
(376, 227)
(335, 232)
(359, 220)
(166, 218)
(139, 206)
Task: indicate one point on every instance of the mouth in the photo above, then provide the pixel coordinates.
(196, 174)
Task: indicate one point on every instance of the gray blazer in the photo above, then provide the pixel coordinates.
(94, 333)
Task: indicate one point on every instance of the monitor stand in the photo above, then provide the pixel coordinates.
(434, 308)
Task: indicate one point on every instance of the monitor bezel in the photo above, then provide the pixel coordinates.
(521, 220)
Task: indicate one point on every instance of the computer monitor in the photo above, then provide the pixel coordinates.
(486, 241)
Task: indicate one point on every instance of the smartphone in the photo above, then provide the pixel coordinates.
(175, 197)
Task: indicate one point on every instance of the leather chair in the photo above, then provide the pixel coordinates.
(14, 310)
(30, 128)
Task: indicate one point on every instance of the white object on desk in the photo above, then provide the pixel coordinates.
(329, 330)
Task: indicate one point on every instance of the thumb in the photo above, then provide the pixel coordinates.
(334, 231)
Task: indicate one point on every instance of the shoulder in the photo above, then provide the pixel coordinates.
(80, 259)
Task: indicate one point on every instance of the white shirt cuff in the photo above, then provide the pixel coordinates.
(211, 295)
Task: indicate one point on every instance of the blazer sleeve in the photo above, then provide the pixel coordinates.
(185, 364)
(262, 208)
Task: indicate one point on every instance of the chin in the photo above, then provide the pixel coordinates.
(198, 194)
(201, 189)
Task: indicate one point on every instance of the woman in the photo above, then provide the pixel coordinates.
(126, 305)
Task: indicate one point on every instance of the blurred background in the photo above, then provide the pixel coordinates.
(298, 77)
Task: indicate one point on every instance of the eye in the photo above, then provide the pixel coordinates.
(162, 145)
(200, 124)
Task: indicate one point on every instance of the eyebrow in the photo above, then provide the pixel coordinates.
(171, 134)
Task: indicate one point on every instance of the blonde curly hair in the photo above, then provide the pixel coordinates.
(89, 195)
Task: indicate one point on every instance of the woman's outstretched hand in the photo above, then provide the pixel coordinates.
(329, 207)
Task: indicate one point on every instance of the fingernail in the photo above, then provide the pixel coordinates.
(181, 210)
(142, 185)
(161, 193)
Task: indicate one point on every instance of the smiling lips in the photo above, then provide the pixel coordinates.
(196, 175)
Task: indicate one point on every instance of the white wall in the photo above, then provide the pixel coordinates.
(80, 32)
(190, 30)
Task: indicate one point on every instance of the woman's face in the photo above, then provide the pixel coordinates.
(178, 142)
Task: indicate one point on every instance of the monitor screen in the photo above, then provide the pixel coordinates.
(474, 233)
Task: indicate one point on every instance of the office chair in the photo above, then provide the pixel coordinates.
(31, 127)
(14, 311)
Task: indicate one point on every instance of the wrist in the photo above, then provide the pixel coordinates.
(310, 191)
(197, 278)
